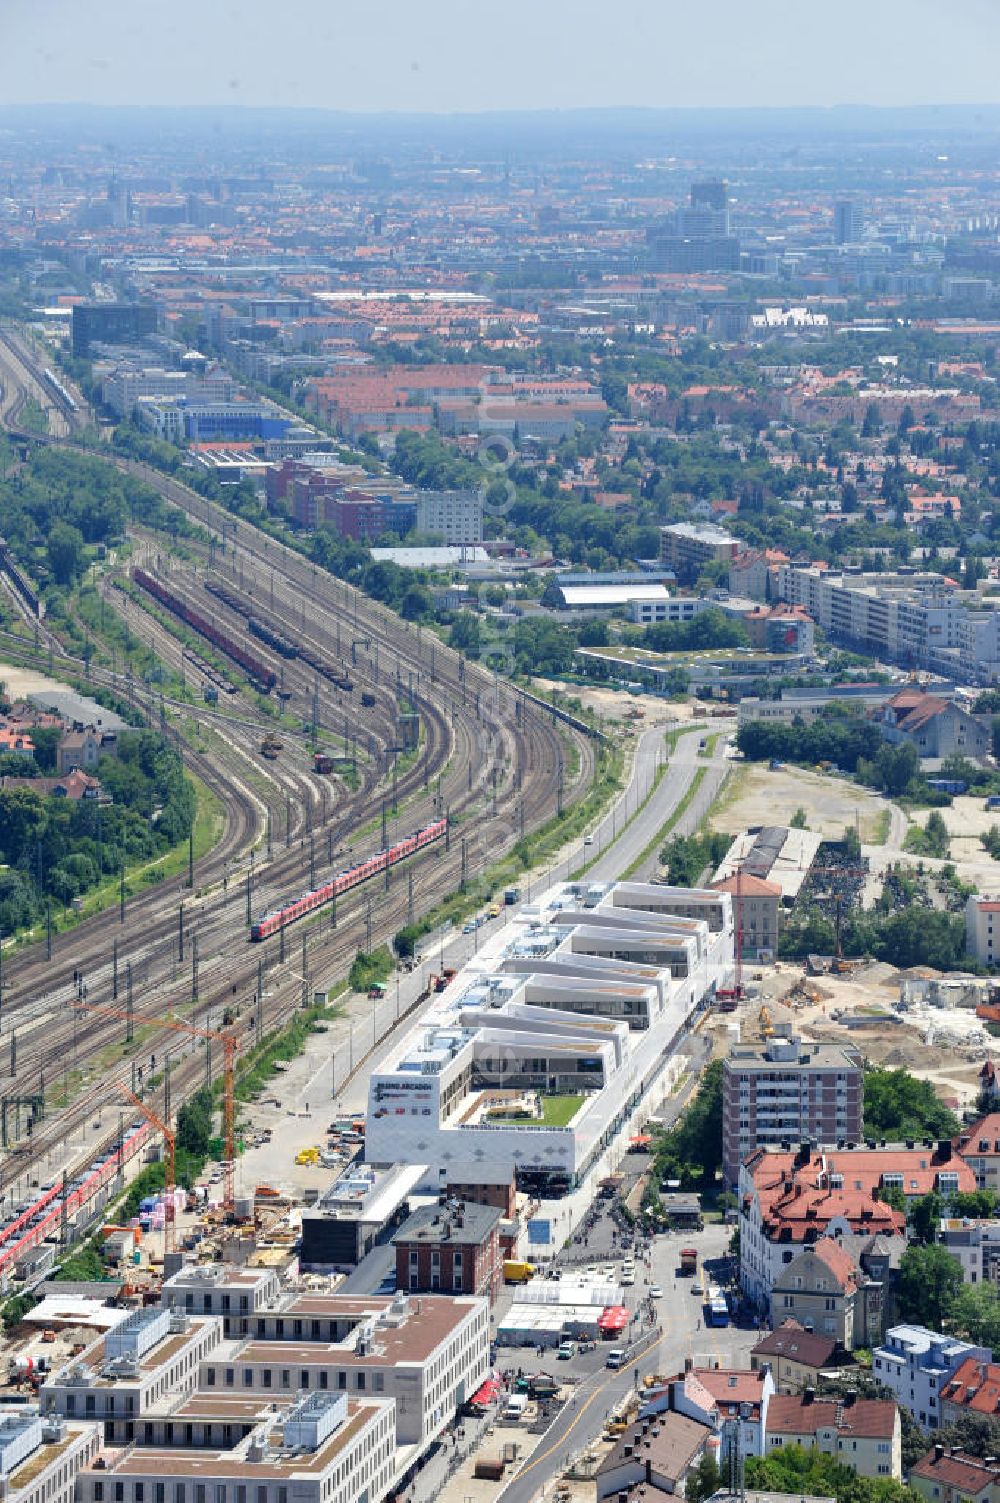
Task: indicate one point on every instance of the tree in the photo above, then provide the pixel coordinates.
(872, 425)
(928, 1282)
(898, 1106)
(974, 1203)
(704, 1481)
(194, 1123)
(415, 604)
(925, 1213)
(466, 634)
(975, 1434)
(801, 1472)
(692, 1149)
(799, 820)
(975, 1314)
(65, 552)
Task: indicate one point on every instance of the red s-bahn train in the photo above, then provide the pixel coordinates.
(260, 675)
(345, 880)
(26, 1226)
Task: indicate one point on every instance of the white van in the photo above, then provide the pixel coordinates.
(616, 1357)
(515, 1407)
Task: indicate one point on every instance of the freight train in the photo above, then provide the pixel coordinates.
(345, 880)
(288, 649)
(260, 675)
(27, 1225)
(265, 633)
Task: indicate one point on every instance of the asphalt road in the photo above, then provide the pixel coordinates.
(615, 844)
(598, 1390)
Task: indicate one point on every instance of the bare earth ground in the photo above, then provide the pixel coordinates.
(758, 796)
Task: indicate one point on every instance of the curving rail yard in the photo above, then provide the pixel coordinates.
(421, 739)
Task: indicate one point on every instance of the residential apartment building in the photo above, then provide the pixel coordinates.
(916, 1364)
(824, 1289)
(326, 1448)
(914, 619)
(429, 1353)
(686, 547)
(790, 1199)
(453, 1246)
(978, 1144)
(152, 1352)
(456, 517)
(975, 1243)
(935, 727)
(795, 1356)
(864, 1434)
(653, 1456)
(760, 902)
(785, 1090)
(732, 1402)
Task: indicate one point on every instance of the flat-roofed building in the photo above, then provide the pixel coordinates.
(361, 1208)
(686, 547)
(152, 1353)
(41, 1456)
(427, 1352)
(530, 1056)
(788, 1090)
(325, 1448)
(915, 1364)
(221, 1289)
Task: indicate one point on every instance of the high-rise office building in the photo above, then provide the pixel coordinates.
(712, 194)
(848, 221)
(697, 236)
(110, 323)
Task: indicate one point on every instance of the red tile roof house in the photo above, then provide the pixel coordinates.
(936, 727)
(864, 1434)
(947, 1477)
(825, 1290)
(723, 1398)
(973, 1388)
(788, 1199)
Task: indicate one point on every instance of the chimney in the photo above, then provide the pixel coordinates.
(809, 1395)
(938, 1451)
(688, 1364)
(944, 1150)
(849, 1399)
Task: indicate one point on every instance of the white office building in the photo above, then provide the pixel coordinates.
(582, 997)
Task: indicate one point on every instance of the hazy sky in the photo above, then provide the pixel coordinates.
(460, 55)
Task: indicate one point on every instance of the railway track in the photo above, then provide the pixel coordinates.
(492, 757)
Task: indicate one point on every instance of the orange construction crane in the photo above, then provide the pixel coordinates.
(169, 1151)
(230, 1044)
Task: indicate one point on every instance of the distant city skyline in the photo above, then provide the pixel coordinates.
(448, 56)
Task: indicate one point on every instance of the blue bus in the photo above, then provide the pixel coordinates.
(717, 1311)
